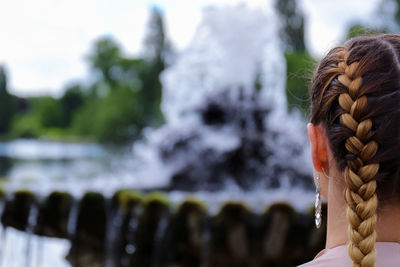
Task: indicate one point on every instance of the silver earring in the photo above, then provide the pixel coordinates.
(318, 208)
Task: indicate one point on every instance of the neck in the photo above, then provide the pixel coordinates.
(386, 228)
(337, 225)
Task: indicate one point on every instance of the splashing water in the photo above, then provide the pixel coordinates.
(219, 129)
(230, 47)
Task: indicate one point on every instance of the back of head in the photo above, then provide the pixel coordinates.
(356, 98)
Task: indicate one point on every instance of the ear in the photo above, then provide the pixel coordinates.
(319, 146)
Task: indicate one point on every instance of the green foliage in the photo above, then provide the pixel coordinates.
(123, 99)
(124, 96)
(154, 42)
(70, 102)
(7, 103)
(156, 46)
(26, 126)
(298, 79)
(46, 116)
(298, 60)
(105, 56)
(359, 30)
(112, 118)
(151, 93)
(48, 111)
(293, 24)
(44, 113)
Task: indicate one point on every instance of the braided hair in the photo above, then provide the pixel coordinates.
(356, 97)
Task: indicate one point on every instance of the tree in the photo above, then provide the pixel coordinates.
(292, 20)
(154, 41)
(105, 56)
(359, 29)
(298, 60)
(155, 48)
(123, 97)
(70, 102)
(3, 80)
(7, 103)
(115, 118)
(48, 111)
(298, 66)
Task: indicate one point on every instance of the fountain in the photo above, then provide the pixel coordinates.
(221, 130)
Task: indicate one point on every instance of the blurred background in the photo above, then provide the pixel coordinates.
(191, 99)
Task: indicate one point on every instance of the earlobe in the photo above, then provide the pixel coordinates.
(318, 142)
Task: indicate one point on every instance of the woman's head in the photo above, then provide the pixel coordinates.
(355, 96)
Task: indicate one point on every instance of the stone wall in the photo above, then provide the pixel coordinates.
(136, 229)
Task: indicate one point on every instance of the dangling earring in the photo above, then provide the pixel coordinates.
(318, 209)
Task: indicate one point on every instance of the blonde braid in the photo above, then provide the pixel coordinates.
(360, 193)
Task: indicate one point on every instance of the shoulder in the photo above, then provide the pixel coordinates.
(388, 256)
(330, 258)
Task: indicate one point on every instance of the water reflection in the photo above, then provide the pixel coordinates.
(44, 166)
(32, 149)
(6, 164)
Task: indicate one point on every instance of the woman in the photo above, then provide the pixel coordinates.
(355, 142)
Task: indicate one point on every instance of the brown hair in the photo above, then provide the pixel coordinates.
(355, 96)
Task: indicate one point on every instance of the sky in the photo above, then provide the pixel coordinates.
(44, 43)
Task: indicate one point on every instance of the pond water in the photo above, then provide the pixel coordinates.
(44, 166)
